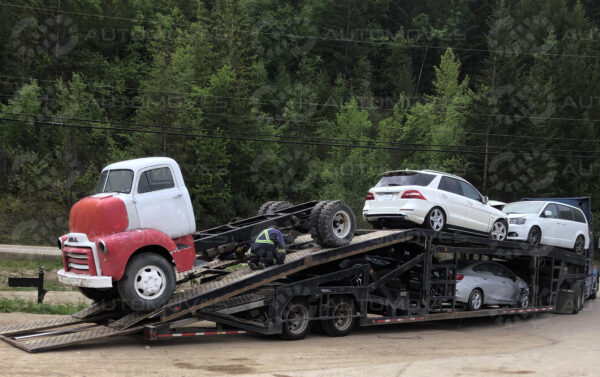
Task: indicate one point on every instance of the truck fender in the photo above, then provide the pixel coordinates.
(121, 246)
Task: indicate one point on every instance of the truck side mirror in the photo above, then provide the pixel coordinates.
(485, 200)
(547, 214)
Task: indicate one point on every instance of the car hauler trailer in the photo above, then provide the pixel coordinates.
(380, 277)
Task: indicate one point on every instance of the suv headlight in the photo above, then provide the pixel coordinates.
(517, 221)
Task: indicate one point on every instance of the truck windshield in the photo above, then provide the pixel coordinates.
(405, 179)
(115, 181)
(523, 208)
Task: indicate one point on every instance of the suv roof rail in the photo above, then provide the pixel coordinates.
(441, 172)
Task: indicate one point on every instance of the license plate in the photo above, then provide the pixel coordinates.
(388, 197)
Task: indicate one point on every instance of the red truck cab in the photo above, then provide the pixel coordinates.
(129, 237)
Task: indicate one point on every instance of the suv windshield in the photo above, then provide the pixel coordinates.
(405, 179)
(115, 181)
(523, 208)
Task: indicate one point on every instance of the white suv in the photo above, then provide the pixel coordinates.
(439, 201)
(548, 223)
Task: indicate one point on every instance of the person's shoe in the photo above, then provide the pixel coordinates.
(252, 266)
(261, 266)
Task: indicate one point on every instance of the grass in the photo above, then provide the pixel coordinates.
(24, 264)
(10, 305)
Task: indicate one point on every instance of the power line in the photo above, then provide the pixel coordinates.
(279, 141)
(317, 37)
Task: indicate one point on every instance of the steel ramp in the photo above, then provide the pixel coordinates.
(65, 336)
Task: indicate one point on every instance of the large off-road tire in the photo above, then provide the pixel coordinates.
(579, 247)
(263, 209)
(296, 323)
(535, 236)
(315, 216)
(435, 219)
(99, 294)
(475, 300)
(278, 206)
(499, 230)
(336, 224)
(343, 309)
(148, 282)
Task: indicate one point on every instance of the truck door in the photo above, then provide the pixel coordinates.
(160, 204)
(455, 203)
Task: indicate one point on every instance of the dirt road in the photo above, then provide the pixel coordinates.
(547, 344)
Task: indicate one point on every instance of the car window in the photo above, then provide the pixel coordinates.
(451, 185)
(565, 213)
(470, 191)
(578, 215)
(505, 272)
(405, 179)
(155, 179)
(552, 208)
(483, 268)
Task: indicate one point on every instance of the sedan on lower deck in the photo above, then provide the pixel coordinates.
(482, 283)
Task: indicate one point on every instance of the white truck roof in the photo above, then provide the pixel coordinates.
(140, 163)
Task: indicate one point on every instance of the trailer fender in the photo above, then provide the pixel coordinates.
(118, 248)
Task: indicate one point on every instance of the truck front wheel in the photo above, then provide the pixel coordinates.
(148, 282)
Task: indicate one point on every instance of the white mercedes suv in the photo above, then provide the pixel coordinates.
(439, 201)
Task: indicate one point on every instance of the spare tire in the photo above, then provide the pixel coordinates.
(336, 224)
(263, 209)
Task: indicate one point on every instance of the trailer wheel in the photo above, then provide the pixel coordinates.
(263, 209)
(99, 294)
(148, 282)
(278, 206)
(336, 224)
(296, 323)
(343, 309)
(475, 300)
(579, 245)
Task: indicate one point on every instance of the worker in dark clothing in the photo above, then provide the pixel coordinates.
(268, 248)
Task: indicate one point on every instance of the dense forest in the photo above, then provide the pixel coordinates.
(298, 100)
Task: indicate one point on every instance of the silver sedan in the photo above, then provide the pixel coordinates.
(488, 283)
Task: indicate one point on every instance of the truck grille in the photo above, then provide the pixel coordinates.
(79, 260)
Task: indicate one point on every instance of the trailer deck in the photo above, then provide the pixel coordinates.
(224, 293)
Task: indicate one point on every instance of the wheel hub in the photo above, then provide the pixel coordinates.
(149, 282)
(341, 224)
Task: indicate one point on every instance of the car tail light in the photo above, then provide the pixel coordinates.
(412, 194)
(370, 196)
(459, 277)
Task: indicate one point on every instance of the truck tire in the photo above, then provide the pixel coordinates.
(99, 294)
(278, 206)
(578, 297)
(263, 209)
(593, 295)
(336, 224)
(148, 282)
(343, 309)
(315, 216)
(296, 323)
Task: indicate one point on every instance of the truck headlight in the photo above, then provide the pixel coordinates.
(102, 247)
(517, 221)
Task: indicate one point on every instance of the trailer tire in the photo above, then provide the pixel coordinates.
(99, 294)
(148, 282)
(578, 293)
(263, 209)
(343, 308)
(296, 323)
(315, 215)
(475, 300)
(336, 224)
